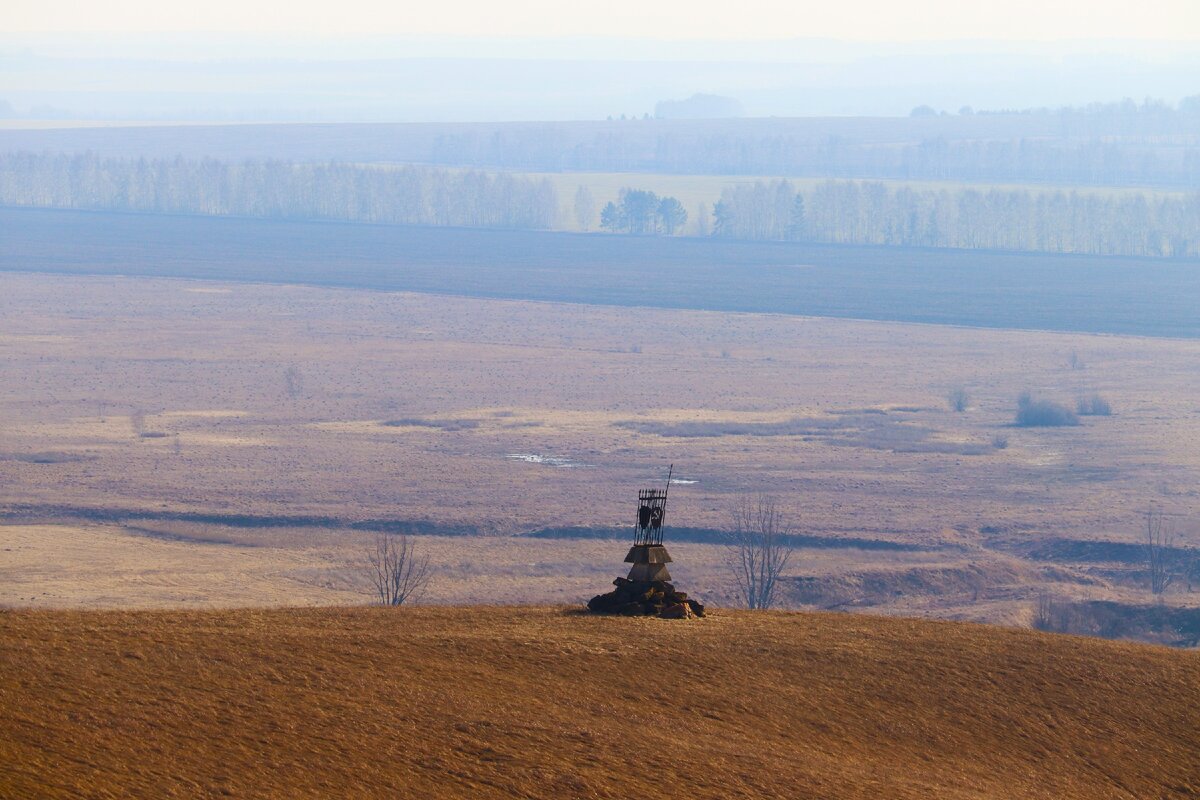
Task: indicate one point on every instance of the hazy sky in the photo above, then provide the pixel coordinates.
(880, 20)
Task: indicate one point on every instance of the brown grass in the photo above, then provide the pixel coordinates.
(543, 702)
(844, 421)
(488, 379)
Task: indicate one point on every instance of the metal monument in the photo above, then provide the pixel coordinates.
(648, 590)
(648, 555)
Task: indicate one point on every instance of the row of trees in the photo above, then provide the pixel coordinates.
(1121, 151)
(1116, 223)
(642, 212)
(405, 195)
(852, 212)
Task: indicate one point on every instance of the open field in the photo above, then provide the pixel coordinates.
(1152, 297)
(171, 442)
(472, 143)
(546, 703)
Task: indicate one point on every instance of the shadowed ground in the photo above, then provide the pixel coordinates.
(1149, 297)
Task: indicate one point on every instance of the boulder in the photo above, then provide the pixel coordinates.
(645, 598)
(676, 611)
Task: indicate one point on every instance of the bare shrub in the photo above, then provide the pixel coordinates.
(958, 399)
(293, 382)
(1191, 568)
(137, 421)
(1093, 406)
(1000, 441)
(1038, 413)
(1061, 616)
(759, 550)
(1160, 547)
(1043, 613)
(397, 571)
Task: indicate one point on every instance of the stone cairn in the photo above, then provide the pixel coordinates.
(648, 590)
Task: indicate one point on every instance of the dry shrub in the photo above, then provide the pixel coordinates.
(1093, 406)
(1040, 413)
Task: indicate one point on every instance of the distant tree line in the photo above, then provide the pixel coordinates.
(404, 195)
(855, 212)
(642, 212)
(851, 212)
(1128, 107)
(1078, 148)
(1147, 144)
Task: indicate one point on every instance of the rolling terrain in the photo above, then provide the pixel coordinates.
(209, 444)
(543, 702)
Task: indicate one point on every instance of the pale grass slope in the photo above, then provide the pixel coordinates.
(543, 702)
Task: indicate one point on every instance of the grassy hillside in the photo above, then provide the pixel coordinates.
(536, 702)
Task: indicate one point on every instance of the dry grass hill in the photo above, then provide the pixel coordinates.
(546, 702)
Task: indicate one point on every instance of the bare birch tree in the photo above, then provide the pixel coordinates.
(293, 382)
(398, 572)
(1160, 545)
(958, 399)
(759, 550)
(585, 208)
(1191, 569)
(137, 421)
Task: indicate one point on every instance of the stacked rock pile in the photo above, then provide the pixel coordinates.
(646, 598)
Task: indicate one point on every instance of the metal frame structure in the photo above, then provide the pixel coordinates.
(651, 515)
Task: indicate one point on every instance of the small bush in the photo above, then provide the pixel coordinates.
(1000, 441)
(1037, 413)
(1094, 406)
(958, 399)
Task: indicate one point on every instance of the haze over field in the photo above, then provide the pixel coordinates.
(249, 78)
(310, 306)
(530, 60)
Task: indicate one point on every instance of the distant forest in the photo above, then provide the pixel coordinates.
(1091, 162)
(1124, 144)
(333, 191)
(1056, 149)
(836, 211)
(855, 212)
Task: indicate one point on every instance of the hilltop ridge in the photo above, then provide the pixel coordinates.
(549, 702)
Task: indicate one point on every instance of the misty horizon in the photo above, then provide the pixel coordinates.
(250, 78)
